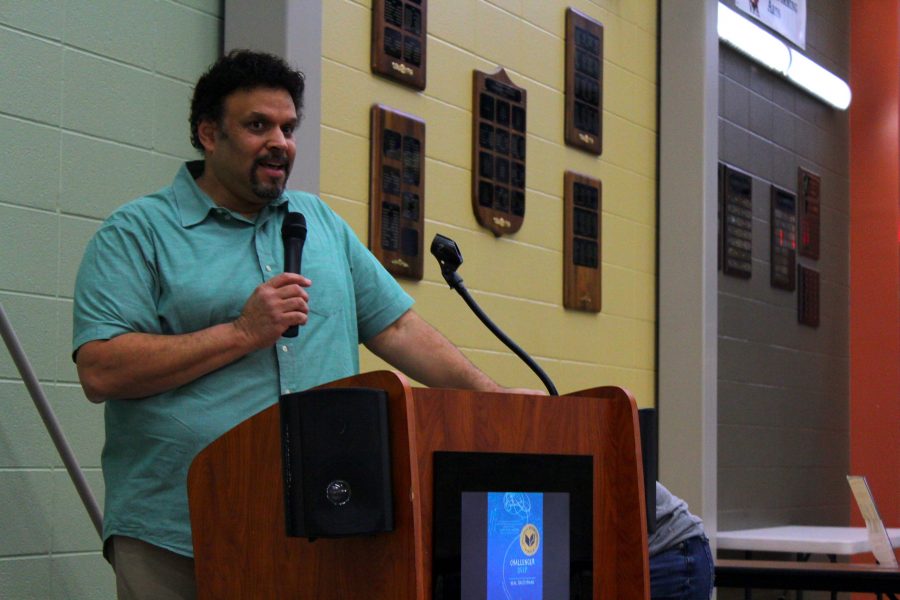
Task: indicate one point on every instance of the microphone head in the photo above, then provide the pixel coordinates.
(446, 252)
(294, 226)
(449, 258)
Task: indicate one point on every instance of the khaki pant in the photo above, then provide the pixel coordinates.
(148, 572)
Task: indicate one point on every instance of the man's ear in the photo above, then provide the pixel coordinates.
(206, 132)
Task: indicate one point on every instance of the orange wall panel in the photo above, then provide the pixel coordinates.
(874, 258)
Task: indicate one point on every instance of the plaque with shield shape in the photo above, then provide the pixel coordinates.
(397, 191)
(498, 152)
(399, 37)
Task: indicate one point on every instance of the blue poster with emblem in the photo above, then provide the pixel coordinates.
(515, 557)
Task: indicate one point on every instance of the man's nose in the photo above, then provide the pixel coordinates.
(278, 139)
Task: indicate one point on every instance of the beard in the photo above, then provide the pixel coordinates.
(269, 191)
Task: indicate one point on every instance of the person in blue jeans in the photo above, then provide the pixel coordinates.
(681, 564)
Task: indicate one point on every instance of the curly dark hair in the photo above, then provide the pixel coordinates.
(241, 70)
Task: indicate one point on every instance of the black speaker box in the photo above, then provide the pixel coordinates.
(336, 459)
(647, 422)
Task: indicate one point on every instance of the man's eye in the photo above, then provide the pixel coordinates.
(256, 125)
(288, 130)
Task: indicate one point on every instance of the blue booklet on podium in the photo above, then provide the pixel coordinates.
(515, 526)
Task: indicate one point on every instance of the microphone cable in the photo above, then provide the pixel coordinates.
(449, 258)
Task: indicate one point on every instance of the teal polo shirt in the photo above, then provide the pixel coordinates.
(175, 262)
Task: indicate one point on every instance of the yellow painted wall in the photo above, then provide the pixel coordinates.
(518, 279)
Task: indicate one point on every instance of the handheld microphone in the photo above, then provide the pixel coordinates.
(449, 258)
(293, 234)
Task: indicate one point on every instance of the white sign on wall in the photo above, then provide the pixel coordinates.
(787, 17)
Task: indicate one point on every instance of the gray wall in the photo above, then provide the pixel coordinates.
(687, 298)
(291, 29)
(783, 388)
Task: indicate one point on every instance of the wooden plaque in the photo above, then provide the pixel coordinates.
(397, 191)
(498, 152)
(720, 201)
(399, 36)
(584, 82)
(807, 296)
(583, 204)
(809, 187)
(783, 239)
(737, 223)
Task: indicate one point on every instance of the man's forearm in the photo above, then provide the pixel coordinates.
(137, 365)
(413, 346)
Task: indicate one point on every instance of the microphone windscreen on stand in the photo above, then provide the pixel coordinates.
(449, 258)
(293, 234)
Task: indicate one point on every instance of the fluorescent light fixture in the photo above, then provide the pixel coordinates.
(755, 42)
(819, 81)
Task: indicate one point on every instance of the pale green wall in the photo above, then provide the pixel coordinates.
(94, 97)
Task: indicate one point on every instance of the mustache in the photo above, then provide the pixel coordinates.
(276, 157)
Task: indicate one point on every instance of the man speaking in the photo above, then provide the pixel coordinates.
(181, 307)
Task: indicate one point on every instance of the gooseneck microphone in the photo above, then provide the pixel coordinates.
(293, 234)
(449, 258)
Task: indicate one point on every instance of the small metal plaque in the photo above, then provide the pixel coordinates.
(584, 82)
(809, 191)
(498, 152)
(399, 36)
(736, 190)
(807, 296)
(397, 191)
(581, 245)
(783, 239)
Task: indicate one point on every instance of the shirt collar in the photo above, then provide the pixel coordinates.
(193, 203)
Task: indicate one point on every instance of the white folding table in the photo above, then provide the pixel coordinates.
(802, 540)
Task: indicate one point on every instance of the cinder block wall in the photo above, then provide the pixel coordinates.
(517, 279)
(784, 387)
(93, 112)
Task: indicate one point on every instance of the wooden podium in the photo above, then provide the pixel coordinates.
(235, 491)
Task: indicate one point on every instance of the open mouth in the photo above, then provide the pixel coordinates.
(273, 168)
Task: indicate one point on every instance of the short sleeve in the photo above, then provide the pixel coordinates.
(379, 298)
(117, 285)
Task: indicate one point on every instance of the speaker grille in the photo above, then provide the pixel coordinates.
(336, 438)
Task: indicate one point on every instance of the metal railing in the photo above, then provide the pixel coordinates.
(50, 421)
